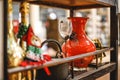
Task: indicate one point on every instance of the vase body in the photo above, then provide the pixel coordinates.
(80, 43)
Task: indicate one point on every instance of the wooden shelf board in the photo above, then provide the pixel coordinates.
(57, 61)
(95, 73)
(68, 4)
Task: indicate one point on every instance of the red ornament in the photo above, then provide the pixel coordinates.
(32, 40)
(28, 36)
(46, 58)
(15, 26)
(47, 71)
(79, 43)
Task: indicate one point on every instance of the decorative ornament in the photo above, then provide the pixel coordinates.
(78, 43)
(24, 10)
(22, 30)
(33, 50)
(34, 54)
(98, 57)
(15, 52)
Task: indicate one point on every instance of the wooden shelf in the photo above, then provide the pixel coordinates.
(95, 73)
(75, 4)
(57, 61)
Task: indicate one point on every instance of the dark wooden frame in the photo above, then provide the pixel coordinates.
(114, 41)
(5, 19)
(113, 69)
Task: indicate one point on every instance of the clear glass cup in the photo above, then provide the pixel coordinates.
(65, 28)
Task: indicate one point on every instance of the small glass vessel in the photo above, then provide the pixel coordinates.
(65, 28)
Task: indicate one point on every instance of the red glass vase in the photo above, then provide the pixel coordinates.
(79, 43)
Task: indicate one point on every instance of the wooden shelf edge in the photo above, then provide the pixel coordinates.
(68, 5)
(104, 2)
(93, 74)
(57, 61)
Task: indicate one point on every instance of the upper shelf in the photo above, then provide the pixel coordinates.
(75, 4)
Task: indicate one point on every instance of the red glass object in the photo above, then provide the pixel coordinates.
(79, 43)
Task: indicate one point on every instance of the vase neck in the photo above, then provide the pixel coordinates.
(78, 24)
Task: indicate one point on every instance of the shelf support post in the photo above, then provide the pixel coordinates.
(114, 41)
(72, 64)
(5, 67)
(71, 12)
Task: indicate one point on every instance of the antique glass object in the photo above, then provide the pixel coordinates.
(79, 43)
(65, 28)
